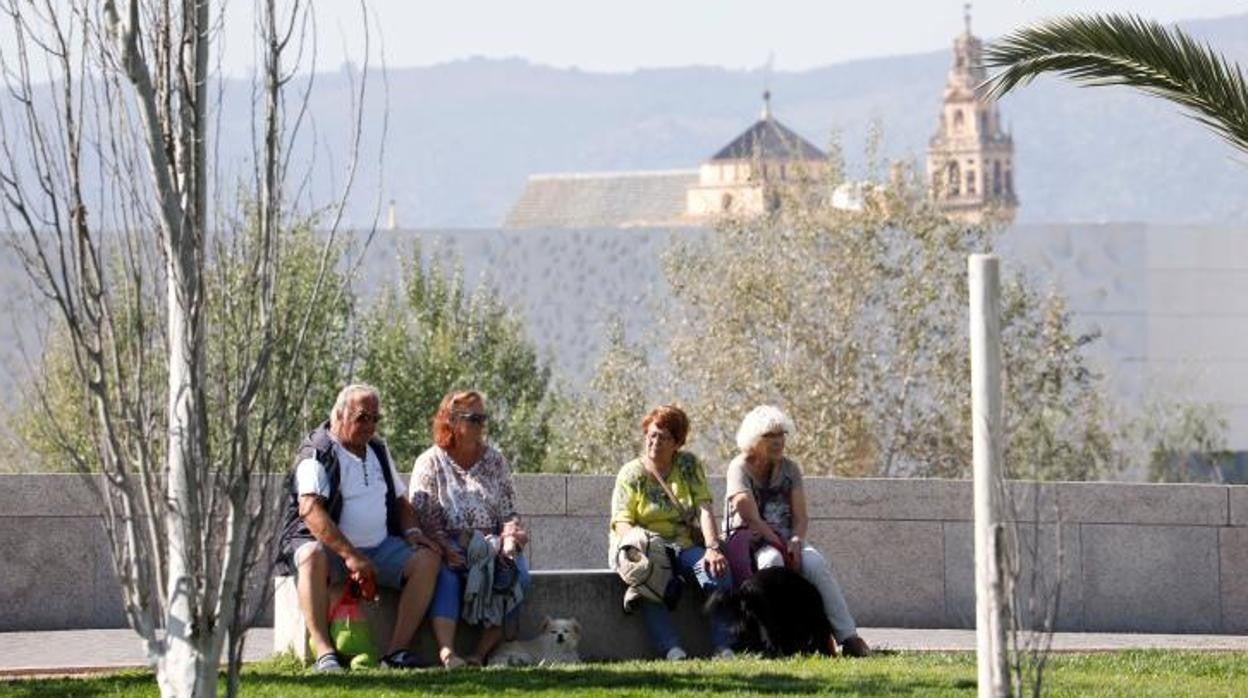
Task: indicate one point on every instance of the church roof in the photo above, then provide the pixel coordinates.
(768, 139)
(604, 200)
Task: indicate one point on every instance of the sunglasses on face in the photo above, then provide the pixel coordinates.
(473, 417)
(774, 435)
(366, 417)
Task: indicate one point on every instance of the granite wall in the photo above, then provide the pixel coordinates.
(1130, 557)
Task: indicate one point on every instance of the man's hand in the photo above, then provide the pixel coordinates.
(715, 562)
(361, 568)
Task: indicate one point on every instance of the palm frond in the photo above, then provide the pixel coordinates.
(1127, 50)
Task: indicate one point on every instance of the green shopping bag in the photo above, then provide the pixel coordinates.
(349, 628)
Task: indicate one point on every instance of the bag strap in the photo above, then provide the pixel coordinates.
(685, 513)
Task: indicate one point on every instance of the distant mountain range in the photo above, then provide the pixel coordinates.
(463, 136)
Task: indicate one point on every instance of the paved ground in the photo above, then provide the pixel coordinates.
(87, 651)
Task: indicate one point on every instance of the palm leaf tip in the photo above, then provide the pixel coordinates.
(1098, 50)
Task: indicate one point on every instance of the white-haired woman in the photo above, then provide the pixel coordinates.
(766, 517)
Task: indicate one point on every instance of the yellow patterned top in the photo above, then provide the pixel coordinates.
(639, 500)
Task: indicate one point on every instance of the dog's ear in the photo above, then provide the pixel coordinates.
(545, 624)
(576, 626)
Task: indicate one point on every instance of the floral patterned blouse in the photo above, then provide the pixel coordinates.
(456, 499)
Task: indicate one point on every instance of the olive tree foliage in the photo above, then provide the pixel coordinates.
(429, 336)
(1184, 442)
(855, 321)
(599, 429)
(164, 280)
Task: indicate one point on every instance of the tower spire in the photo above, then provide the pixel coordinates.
(970, 159)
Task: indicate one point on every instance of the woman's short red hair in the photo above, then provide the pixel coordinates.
(443, 434)
(669, 418)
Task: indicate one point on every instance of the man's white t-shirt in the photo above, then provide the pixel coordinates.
(363, 488)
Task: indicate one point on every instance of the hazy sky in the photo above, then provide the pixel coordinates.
(619, 36)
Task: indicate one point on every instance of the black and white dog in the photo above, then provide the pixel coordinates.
(776, 613)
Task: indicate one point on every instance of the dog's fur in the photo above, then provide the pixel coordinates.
(776, 613)
(556, 643)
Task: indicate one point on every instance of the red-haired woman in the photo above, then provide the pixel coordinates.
(641, 498)
(465, 483)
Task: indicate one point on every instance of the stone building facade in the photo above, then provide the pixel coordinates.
(970, 159)
(748, 175)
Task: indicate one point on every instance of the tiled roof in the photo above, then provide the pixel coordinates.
(608, 200)
(769, 139)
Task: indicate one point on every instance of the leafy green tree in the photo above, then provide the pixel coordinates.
(600, 429)
(310, 335)
(310, 323)
(855, 321)
(428, 337)
(1180, 436)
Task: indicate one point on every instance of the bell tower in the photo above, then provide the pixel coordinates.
(970, 159)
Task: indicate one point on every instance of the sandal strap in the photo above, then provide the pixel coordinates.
(401, 657)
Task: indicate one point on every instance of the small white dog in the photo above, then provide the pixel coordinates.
(556, 643)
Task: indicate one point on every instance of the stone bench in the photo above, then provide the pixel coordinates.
(593, 597)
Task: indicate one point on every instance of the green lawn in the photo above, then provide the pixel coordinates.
(1151, 673)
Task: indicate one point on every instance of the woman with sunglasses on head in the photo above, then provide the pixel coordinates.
(465, 484)
(766, 518)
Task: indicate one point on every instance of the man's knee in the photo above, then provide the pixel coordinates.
(312, 561)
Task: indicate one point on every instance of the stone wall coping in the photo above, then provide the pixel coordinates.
(70, 495)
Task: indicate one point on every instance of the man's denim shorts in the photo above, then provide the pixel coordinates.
(389, 557)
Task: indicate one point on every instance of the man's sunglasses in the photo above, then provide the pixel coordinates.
(365, 417)
(473, 417)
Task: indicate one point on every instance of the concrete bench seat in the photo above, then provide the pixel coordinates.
(593, 597)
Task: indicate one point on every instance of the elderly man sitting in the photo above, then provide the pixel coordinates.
(347, 513)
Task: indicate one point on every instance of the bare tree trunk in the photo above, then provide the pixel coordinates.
(187, 666)
(188, 530)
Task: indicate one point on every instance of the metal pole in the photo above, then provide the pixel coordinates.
(986, 427)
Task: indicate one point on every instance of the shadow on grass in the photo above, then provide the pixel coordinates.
(693, 678)
(590, 679)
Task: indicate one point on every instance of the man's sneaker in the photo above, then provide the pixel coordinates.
(328, 663)
(724, 653)
(400, 659)
(855, 647)
(676, 654)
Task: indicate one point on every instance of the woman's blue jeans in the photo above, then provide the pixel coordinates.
(449, 592)
(659, 623)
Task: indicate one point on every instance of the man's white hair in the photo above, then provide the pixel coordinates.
(762, 420)
(346, 396)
